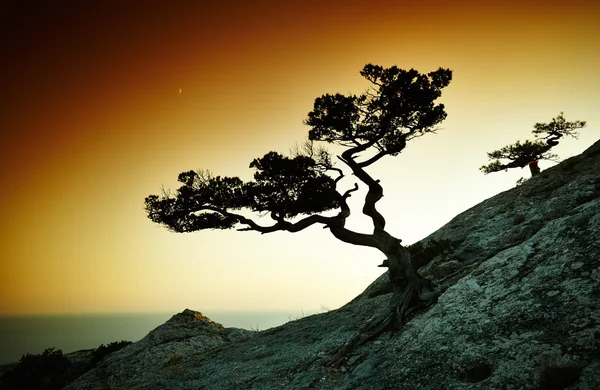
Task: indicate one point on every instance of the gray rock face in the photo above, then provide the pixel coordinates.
(522, 311)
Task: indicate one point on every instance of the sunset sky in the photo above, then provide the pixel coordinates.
(93, 121)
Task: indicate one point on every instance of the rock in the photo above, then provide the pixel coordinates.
(521, 311)
(161, 353)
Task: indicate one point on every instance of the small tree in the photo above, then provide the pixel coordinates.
(529, 153)
(397, 107)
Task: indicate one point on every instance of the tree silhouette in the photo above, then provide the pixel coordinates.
(529, 153)
(297, 191)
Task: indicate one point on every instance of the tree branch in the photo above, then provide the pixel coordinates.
(372, 159)
(339, 171)
(351, 237)
(375, 190)
(347, 193)
(344, 208)
(335, 224)
(280, 225)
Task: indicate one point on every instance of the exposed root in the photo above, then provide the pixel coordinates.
(402, 304)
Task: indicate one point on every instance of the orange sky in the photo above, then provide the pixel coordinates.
(92, 122)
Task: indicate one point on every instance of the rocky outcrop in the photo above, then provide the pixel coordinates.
(143, 364)
(521, 311)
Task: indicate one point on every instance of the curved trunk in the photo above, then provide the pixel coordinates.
(411, 292)
(534, 168)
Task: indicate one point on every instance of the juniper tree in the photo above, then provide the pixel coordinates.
(529, 153)
(303, 189)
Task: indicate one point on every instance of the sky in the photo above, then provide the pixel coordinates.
(105, 102)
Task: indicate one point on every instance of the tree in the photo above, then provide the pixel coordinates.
(298, 191)
(529, 153)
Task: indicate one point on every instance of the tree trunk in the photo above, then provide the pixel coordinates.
(411, 292)
(534, 168)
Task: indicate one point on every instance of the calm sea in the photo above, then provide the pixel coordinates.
(33, 334)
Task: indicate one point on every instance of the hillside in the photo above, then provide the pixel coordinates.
(521, 311)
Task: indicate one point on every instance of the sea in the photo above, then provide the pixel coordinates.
(73, 332)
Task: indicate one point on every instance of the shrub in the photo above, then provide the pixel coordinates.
(423, 253)
(522, 180)
(49, 371)
(103, 350)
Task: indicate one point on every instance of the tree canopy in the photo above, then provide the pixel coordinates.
(398, 106)
(284, 187)
(528, 153)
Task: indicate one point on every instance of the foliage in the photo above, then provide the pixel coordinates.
(398, 106)
(423, 252)
(521, 181)
(520, 154)
(288, 187)
(529, 152)
(104, 350)
(285, 187)
(49, 370)
(557, 127)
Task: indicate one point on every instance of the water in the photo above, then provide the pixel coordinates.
(33, 334)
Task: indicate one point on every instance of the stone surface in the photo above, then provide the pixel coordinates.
(522, 311)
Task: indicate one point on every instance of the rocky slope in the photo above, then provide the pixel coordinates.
(522, 311)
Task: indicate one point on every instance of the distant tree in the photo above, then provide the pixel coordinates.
(397, 107)
(529, 153)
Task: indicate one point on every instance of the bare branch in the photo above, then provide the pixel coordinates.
(279, 226)
(166, 193)
(347, 193)
(341, 174)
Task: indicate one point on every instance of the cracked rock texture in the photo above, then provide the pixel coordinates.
(522, 311)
